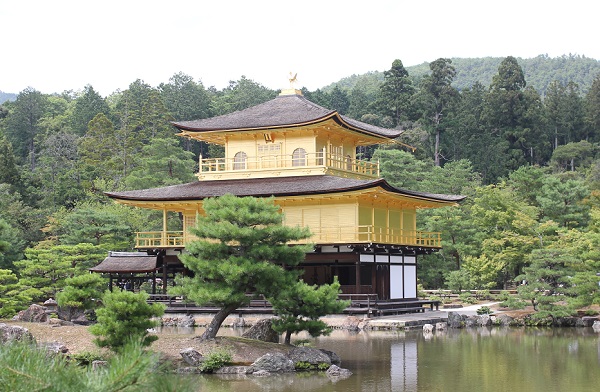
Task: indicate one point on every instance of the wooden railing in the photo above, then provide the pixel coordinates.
(333, 235)
(339, 162)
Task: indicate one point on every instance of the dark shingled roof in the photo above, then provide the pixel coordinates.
(126, 262)
(282, 111)
(265, 187)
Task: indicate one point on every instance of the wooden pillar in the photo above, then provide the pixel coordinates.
(154, 281)
(357, 285)
(164, 278)
(110, 282)
(164, 230)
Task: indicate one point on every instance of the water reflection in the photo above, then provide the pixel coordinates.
(481, 359)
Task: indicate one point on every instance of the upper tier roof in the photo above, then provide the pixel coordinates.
(283, 111)
(265, 187)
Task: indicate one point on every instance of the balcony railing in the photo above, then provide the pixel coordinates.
(338, 235)
(339, 162)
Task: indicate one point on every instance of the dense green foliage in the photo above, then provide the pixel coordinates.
(82, 292)
(300, 305)
(25, 367)
(241, 249)
(125, 317)
(518, 136)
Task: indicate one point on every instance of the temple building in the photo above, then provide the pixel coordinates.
(363, 229)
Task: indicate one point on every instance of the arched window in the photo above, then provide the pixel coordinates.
(239, 161)
(299, 157)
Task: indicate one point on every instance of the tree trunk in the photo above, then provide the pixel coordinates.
(437, 148)
(215, 323)
(288, 338)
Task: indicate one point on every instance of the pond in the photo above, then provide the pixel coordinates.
(481, 359)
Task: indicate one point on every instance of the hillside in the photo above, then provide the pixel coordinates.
(539, 72)
(7, 97)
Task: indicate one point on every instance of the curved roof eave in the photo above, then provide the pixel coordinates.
(278, 187)
(281, 112)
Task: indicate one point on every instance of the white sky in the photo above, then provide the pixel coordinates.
(56, 45)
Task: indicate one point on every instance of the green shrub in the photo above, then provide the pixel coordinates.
(503, 296)
(302, 365)
(513, 303)
(25, 367)
(467, 297)
(484, 310)
(125, 317)
(86, 358)
(215, 359)
(302, 342)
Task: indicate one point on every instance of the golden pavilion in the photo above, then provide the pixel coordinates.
(305, 156)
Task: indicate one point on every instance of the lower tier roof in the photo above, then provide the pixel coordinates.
(277, 187)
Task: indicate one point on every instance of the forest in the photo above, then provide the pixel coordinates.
(527, 158)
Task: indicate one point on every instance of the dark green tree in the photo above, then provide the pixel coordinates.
(98, 151)
(9, 173)
(82, 292)
(300, 306)
(12, 299)
(240, 94)
(339, 100)
(547, 282)
(163, 162)
(186, 100)
(94, 224)
(561, 200)
(436, 95)
(125, 317)
(511, 113)
(592, 111)
(241, 249)
(87, 106)
(23, 124)
(395, 93)
(58, 171)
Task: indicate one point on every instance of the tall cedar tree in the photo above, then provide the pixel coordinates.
(438, 95)
(396, 92)
(241, 249)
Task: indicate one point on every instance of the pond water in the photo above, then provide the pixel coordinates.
(481, 359)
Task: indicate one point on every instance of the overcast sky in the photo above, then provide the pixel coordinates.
(56, 45)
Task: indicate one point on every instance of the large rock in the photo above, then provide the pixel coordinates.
(504, 320)
(309, 355)
(187, 321)
(455, 320)
(263, 331)
(10, 333)
(335, 373)
(191, 356)
(588, 321)
(484, 320)
(33, 314)
(333, 357)
(54, 348)
(351, 323)
(273, 363)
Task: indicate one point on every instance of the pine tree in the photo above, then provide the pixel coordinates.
(241, 249)
(124, 318)
(299, 307)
